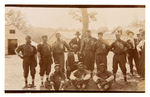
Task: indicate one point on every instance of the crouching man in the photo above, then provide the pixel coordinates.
(57, 79)
(80, 77)
(103, 78)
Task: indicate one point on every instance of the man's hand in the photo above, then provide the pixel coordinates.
(20, 56)
(78, 79)
(103, 83)
(80, 53)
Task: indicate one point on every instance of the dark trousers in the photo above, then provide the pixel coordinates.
(45, 66)
(57, 85)
(101, 58)
(71, 64)
(89, 59)
(121, 60)
(59, 59)
(133, 55)
(130, 60)
(29, 64)
(141, 71)
(80, 82)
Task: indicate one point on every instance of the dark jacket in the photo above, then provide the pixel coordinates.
(75, 42)
(101, 47)
(119, 47)
(56, 77)
(44, 50)
(88, 44)
(27, 50)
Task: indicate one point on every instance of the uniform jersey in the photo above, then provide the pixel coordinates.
(59, 46)
(88, 44)
(44, 50)
(119, 47)
(101, 47)
(29, 59)
(75, 41)
(27, 50)
(130, 44)
(81, 74)
(56, 77)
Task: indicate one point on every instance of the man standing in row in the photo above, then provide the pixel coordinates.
(87, 48)
(141, 51)
(58, 51)
(73, 57)
(131, 48)
(75, 43)
(27, 52)
(119, 48)
(45, 58)
(101, 50)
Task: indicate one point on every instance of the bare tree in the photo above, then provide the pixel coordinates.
(138, 23)
(84, 17)
(16, 18)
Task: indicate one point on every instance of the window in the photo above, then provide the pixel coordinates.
(12, 31)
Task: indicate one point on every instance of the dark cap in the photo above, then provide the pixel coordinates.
(57, 34)
(88, 31)
(57, 65)
(80, 64)
(28, 36)
(141, 29)
(130, 32)
(77, 33)
(44, 36)
(100, 33)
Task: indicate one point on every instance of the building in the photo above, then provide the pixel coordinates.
(13, 38)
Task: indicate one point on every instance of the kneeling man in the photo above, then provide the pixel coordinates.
(57, 79)
(103, 78)
(80, 77)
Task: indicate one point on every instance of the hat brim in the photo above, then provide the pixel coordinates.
(129, 33)
(77, 34)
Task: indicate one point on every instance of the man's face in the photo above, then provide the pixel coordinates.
(138, 36)
(140, 30)
(118, 36)
(81, 67)
(101, 69)
(57, 69)
(58, 36)
(77, 35)
(44, 39)
(88, 34)
(131, 35)
(100, 36)
(28, 39)
(119, 32)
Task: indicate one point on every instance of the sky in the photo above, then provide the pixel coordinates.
(60, 17)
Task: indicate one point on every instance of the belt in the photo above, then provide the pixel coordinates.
(119, 53)
(101, 54)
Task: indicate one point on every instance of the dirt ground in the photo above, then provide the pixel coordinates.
(14, 77)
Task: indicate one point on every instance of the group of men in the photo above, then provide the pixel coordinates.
(82, 55)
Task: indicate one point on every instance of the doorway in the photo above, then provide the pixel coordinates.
(12, 45)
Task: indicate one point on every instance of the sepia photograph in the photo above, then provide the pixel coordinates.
(74, 48)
